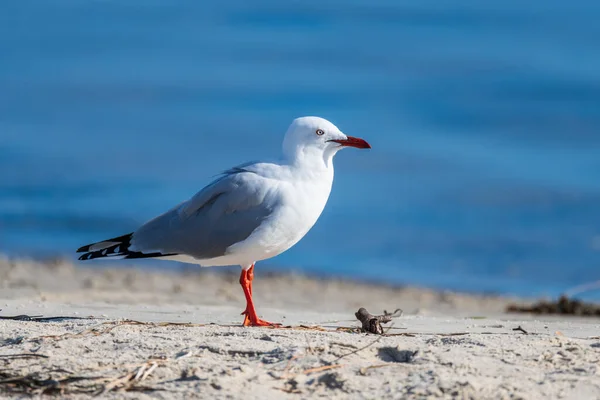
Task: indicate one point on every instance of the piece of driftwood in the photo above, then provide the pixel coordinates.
(372, 323)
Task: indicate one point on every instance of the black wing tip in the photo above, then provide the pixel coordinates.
(124, 239)
(125, 255)
(119, 248)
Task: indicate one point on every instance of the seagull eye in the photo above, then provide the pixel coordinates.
(320, 132)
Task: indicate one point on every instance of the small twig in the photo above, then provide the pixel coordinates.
(363, 371)
(140, 372)
(520, 329)
(312, 328)
(453, 334)
(149, 371)
(343, 345)
(357, 350)
(396, 313)
(185, 324)
(323, 368)
(127, 381)
(290, 391)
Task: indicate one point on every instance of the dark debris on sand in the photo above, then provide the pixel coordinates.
(564, 306)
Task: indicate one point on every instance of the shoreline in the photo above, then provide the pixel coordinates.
(135, 283)
(474, 288)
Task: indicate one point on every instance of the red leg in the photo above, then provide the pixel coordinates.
(250, 276)
(250, 319)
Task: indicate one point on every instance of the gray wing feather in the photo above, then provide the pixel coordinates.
(224, 213)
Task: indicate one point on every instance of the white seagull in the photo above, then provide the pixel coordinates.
(252, 212)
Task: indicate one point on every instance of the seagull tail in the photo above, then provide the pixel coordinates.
(116, 248)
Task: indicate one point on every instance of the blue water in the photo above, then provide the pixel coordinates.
(484, 119)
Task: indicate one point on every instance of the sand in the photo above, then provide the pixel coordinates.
(130, 332)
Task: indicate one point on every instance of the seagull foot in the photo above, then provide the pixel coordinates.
(251, 319)
(257, 321)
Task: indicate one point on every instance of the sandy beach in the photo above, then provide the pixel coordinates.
(131, 332)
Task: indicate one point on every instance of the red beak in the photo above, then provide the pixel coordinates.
(353, 142)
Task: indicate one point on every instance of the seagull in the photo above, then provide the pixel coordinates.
(251, 212)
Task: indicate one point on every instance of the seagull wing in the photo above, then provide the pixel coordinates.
(222, 214)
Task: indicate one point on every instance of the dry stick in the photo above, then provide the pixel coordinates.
(23, 355)
(364, 347)
(343, 345)
(358, 350)
(290, 327)
(116, 382)
(39, 318)
(140, 372)
(396, 313)
(320, 369)
(291, 391)
(149, 371)
(126, 381)
(313, 328)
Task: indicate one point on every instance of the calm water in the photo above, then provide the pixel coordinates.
(484, 119)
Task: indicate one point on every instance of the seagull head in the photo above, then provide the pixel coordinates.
(314, 136)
